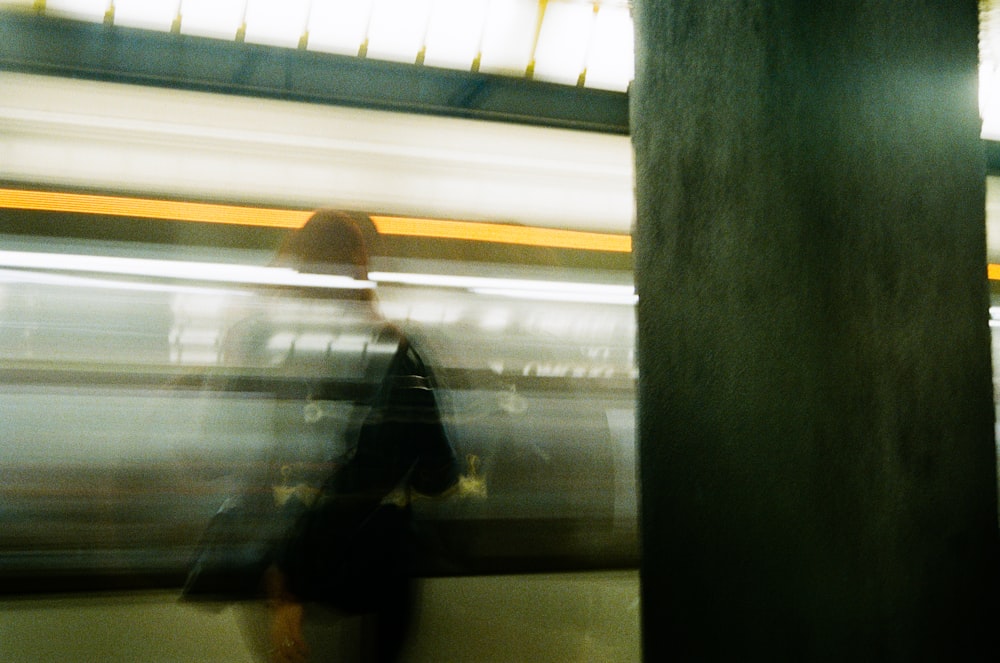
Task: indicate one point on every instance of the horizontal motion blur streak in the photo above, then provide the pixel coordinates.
(171, 210)
(505, 234)
(176, 269)
(145, 208)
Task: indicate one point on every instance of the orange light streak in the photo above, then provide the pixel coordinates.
(502, 233)
(173, 210)
(145, 208)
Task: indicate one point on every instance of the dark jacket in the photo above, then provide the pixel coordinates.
(355, 545)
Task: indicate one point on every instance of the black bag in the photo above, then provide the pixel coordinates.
(238, 545)
(247, 533)
(354, 547)
(351, 561)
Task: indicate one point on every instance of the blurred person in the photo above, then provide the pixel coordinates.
(351, 547)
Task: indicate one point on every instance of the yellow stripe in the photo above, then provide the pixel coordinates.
(501, 233)
(172, 210)
(993, 272)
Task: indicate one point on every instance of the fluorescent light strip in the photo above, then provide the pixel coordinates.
(172, 210)
(176, 269)
(505, 32)
(502, 233)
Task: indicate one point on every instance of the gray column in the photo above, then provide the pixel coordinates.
(817, 465)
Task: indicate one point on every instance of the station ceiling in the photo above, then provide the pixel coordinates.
(561, 63)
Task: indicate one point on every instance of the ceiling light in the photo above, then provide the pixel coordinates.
(147, 14)
(278, 24)
(338, 26)
(83, 10)
(397, 29)
(221, 19)
(561, 52)
(611, 56)
(509, 36)
(454, 33)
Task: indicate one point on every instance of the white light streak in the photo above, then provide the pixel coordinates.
(14, 277)
(176, 269)
(560, 296)
(256, 275)
(521, 288)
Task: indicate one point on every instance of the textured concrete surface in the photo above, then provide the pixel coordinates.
(816, 423)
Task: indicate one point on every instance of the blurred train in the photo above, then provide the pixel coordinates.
(119, 446)
(112, 465)
(114, 459)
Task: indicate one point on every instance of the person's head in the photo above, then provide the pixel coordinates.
(329, 243)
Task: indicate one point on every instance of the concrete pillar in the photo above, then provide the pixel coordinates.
(817, 465)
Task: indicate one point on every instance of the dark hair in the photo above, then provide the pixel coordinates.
(329, 243)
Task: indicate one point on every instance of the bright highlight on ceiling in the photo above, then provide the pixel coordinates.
(989, 68)
(573, 42)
